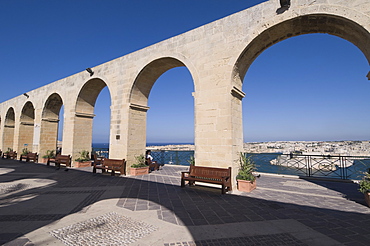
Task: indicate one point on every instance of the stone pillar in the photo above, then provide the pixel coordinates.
(25, 137)
(48, 135)
(218, 126)
(82, 134)
(118, 131)
(136, 137)
(8, 137)
(237, 125)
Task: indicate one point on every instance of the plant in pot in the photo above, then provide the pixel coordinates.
(246, 179)
(6, 153)
(25, 151)
(24, 154)
(139, 168)
(365, 187)
(50, 154)
(84, 160)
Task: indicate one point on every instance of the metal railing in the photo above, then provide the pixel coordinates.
(328, 166)
(174, 157)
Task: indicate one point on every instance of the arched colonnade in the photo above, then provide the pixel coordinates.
(217, 56)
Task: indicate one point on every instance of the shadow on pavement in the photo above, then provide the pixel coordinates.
(55, 194)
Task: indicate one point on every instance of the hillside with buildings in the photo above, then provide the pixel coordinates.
(351, 148)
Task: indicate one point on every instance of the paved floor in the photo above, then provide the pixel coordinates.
(40, 205)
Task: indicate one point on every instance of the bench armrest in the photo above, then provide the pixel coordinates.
(183, 174)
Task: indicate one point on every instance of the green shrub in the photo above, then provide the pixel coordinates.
(191, 161)
(25, 151)
(246, 169)
(9, 150)
(49, 154)
(140, 162)
(84, 156)
(365, 183)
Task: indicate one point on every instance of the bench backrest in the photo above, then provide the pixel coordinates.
(12, 154)
(210, 172)
(113, 162)
(97, 159)
(63, 159)
(32, 155)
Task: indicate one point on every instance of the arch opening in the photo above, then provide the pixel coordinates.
(48, 131)
(9, 125)
(84, 116)
(306, 88)
(306, 24)
(101, 124)
(139, 96)
(314, 92)
(148, 76)
(171, 115)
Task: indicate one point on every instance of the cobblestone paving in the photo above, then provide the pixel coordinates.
(108, 229)
(8, 188)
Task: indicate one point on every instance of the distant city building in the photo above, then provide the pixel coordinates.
(352, 148)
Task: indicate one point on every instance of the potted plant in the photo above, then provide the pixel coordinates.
(84, 160)
(24, 154)
(365, 187)
(6, 153)
(246, 179)
(50, 154)
(25, 151)
(139, 168)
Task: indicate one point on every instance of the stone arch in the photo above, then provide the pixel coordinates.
(26, 127)
(84, 114)
(298, 25)
(148, 75)
(305, 24)
(9, 125)
(138, 100)
(48, 132)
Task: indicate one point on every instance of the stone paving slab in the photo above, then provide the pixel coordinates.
(37, 200)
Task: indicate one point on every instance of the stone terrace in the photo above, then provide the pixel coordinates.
(41, 205)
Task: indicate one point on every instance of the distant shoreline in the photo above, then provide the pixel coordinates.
(348, 147)
(185, 147)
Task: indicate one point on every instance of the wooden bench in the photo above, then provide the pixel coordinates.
(97, 159)
(60, 159)
(30, 157)
(153, 165)
(211, 175)
(111, 164)
(10, 155)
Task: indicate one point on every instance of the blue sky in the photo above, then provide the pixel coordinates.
(311, 87)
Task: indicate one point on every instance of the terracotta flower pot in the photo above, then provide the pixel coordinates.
(139, 171)
(246, 186)
(367, 198)
(78, 164)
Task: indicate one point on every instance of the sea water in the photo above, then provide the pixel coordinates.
(262, 161)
